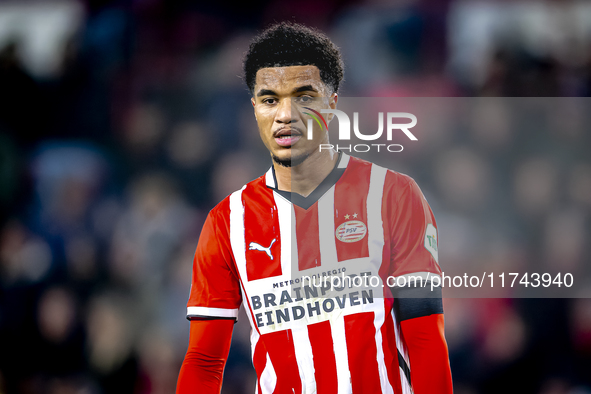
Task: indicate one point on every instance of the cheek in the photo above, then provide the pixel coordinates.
(264, 120)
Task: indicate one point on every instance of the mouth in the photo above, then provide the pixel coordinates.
(287, 136)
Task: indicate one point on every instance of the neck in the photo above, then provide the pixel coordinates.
(304, 178)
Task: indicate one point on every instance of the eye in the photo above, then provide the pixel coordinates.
(305, 99)
(270, 100)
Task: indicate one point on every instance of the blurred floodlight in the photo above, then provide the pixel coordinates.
(41, 30)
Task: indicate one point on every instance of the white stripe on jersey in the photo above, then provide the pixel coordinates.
(328, 246)
(287, 231)
(238, 243)
(237, 240)
(268, 377)
(400, 345)
(375, 227)
(214, 312)
(375, 230)
(304, 358)
(384, 382)
(255, 336)
(339, 343)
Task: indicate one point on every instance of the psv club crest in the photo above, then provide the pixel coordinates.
(351, 231)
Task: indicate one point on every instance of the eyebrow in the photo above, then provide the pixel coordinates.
(266, 92)
(305, 88)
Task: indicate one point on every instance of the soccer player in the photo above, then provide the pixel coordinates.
(321, 214)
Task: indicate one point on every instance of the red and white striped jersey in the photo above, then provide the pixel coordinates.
(257, 245)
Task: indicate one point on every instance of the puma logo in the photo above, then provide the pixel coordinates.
(255, 246)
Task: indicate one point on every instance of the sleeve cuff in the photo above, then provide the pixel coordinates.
(200, 312)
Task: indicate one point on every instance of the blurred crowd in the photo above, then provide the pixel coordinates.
(122, 123)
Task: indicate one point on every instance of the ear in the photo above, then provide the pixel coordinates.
(253, 102)
(332, 103)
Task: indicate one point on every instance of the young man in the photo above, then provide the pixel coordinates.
(321, 214)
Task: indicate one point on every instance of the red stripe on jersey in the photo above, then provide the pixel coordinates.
(281, 350)
(308, 241)
(325, 366)
(361, 352)
(390, 349)
(259, 361)
(350, 204)
(261, 233)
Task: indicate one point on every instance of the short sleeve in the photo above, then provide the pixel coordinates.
(215, 288)
(413, 230)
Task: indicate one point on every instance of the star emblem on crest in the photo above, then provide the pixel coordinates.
(347, 216)
(355, 215)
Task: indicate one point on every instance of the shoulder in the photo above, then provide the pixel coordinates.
(394, 181)
(223, 207)
(398, 188)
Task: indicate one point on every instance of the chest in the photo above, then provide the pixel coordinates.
(281, 235)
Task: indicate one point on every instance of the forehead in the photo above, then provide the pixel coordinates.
(280, 78)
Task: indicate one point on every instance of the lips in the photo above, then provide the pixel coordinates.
(287, 136)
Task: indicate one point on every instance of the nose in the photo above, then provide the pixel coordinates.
(283, 114)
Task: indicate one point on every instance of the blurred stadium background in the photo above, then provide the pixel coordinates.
(123, 122)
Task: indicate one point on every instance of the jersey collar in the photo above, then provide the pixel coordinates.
(323, 187)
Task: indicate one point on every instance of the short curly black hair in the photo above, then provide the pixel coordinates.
(291, 44)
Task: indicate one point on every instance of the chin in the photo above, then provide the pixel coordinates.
(291, 160)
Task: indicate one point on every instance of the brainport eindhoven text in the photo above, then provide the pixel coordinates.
(279, 308)
(324, 293)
